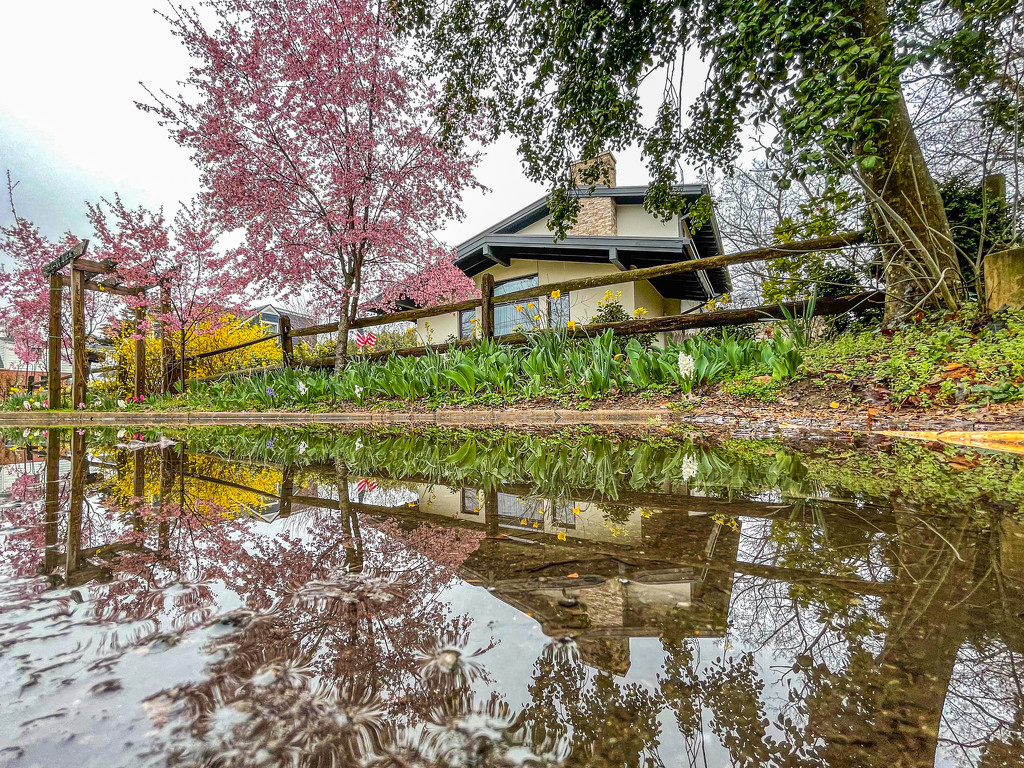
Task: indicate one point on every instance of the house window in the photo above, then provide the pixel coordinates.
(562, 513)
(466, 318)
(506, 318)
(558, 311)
(472, 501)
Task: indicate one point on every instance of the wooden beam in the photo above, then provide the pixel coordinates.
(94, 267)
(79, 369)
(831, 243)
(66, 258)
(79, 468)
(487, 307)
(55, 344)
(822, 308)
(115, 290)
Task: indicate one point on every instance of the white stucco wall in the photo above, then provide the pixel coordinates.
(634, 221)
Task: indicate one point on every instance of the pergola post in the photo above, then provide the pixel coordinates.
(140, 353)
(166, 349)
(79, 364)
(56, 339)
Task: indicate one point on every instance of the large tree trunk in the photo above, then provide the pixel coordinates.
(917, 246)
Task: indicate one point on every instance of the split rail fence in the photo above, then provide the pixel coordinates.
(176, 370)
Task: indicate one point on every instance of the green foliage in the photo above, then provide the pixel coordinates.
(978, 225)
(966, 358)
(552, 364)
(824, 77)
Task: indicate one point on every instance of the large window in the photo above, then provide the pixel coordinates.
(506, 318)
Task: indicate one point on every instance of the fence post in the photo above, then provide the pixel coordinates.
(56, 337)
(285, 329)
(487, 306)
(140, 353)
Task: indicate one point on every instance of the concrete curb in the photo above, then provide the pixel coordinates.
(441, 417)
(745, 423)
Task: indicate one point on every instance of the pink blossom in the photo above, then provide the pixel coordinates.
(312, 136)
(81, 405)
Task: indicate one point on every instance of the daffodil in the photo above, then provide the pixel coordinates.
(530, 305)
(576, 510)
(571, 325)
(536, 317)
(519, 307)
(556, 294)
(561, 535)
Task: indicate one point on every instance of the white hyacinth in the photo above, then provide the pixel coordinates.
(301, 386)
(359, 392)
(302, 447)
(688, 468)
(685, 366)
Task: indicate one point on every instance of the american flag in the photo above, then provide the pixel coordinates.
(366, 339)
(365, 484)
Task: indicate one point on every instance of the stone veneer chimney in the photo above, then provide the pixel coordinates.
(597, 214)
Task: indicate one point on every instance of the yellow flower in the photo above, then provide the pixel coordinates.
(556, 294)
(536, 317)
(472, 320)
(561, 535)
(576, 510)
(519, 307)
(571, 325)
(536, 525)
(530, 305)
(523, 521)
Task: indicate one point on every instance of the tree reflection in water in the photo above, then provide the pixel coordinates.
(754, 608)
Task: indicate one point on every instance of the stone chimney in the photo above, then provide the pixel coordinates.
(597, 214)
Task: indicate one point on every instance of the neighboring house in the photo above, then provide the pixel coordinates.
(270, 316)
(13, 371)
(613, 233)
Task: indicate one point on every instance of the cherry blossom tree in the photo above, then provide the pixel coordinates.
(26, 289)
(203, 287)
(439, 282)
(313, 138)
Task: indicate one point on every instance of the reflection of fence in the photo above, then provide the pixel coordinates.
(684, 321)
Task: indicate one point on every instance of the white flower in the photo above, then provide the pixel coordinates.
(359, 392)
(302, 447)
(27, 432)
(359, 443)
(121, 404)
(688, 468)
(685, 366)
(303, 389)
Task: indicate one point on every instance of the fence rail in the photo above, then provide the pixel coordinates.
(823, 307)
(765, 313)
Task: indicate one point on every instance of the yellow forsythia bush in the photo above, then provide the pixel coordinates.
(201, 340)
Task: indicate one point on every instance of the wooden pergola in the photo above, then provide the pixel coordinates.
(84, 275)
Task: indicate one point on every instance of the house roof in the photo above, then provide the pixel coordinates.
(299, 319)
(500, 243)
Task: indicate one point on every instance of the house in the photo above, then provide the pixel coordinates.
(14, 372)
(613, 233)
(270, 316)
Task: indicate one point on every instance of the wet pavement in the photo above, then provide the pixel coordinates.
(209, 598)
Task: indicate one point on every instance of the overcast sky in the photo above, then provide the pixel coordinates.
(70, 131)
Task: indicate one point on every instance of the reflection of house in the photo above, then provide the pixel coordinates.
(15, 372)
(613, 233)
(636, 570)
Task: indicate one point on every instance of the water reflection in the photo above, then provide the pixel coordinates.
(312, 597)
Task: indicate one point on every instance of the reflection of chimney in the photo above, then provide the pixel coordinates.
(597, 214)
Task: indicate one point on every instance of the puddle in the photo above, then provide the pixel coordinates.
(209, 598)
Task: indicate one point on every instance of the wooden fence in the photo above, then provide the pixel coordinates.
(686, 321)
